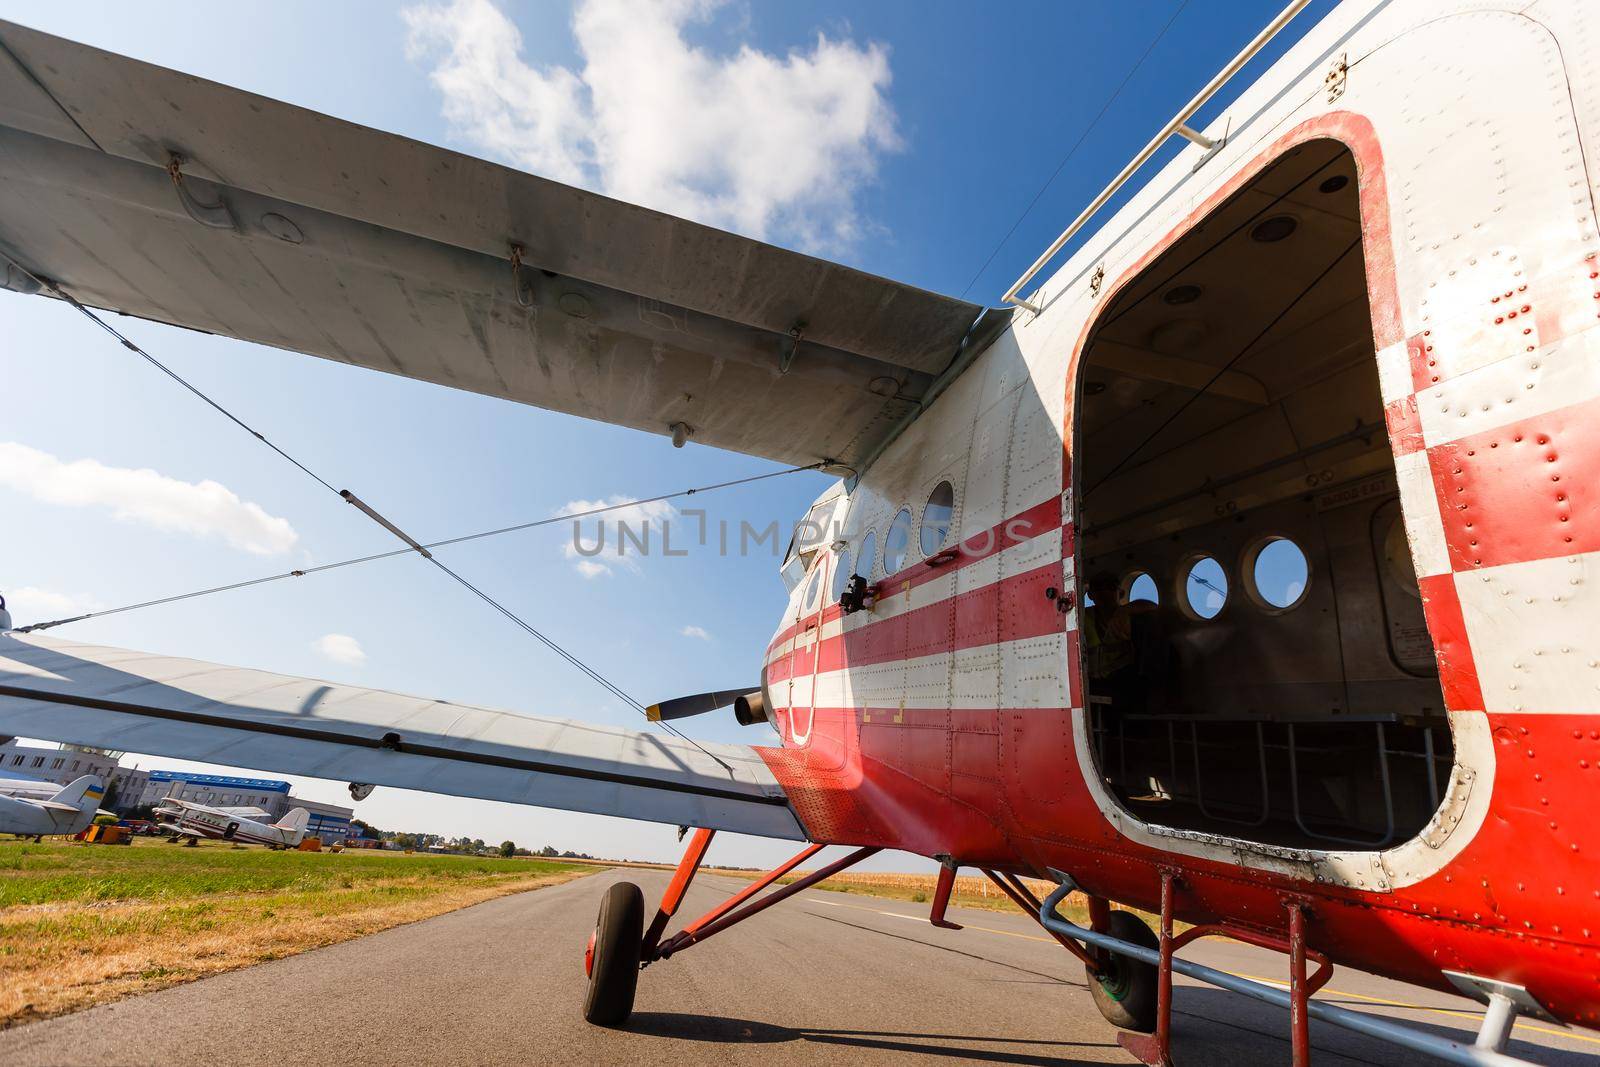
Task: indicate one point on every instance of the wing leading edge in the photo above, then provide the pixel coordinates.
(138, 702)
(294, 229)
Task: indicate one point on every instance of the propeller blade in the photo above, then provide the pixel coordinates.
(699, 704)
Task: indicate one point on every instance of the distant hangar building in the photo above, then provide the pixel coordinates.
(136, 788)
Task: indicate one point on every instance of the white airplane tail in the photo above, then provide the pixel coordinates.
(295, 821)
(84, 794)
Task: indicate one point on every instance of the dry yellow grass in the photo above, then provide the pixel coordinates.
(70, 954)
(970, 891)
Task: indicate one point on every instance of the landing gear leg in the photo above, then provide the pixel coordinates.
(620, 945)
(1157, 1049)
(1299, 993)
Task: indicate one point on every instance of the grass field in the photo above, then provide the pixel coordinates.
(970, 891)
(82, 924)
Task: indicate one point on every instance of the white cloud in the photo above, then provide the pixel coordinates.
(587, 567)
(204, 509)
(340, 648)
(768, 145)
(30, 604)
(604, 546)
(695, 631)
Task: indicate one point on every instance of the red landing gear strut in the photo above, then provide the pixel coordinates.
(613, 975)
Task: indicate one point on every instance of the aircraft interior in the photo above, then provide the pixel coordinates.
(1259, 665)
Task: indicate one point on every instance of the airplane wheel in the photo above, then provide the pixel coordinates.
(1125, 988)
(612, 959)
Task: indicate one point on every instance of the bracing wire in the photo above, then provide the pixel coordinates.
(1084, 136)
(571, 516)
(132, 346)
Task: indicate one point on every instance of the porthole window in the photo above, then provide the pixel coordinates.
(1278, 573)
(1139, 586)
(897, 542)
(841, 574)
(811, 589)
(1205, 588)
(868, 556)
(936, 517)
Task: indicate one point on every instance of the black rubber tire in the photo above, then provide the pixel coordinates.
(1125, 989)
(618, 933)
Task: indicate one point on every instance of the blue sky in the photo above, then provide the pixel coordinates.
(938, 122)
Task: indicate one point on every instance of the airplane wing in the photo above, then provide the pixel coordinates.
(259, 815)
(137, 702)
(290, 228)
(27, 788)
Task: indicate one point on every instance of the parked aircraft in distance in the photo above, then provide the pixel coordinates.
(64, 810)
(246, 825)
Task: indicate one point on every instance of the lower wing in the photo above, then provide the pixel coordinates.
(138, 702)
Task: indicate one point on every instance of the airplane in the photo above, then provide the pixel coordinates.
(1240, 567)
(190, 821)
(62, 810)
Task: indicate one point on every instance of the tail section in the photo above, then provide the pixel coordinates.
(83, 795)
(295, 821)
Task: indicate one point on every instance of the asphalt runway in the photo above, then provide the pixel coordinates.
(826, 978)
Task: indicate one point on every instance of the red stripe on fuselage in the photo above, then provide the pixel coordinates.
(1033, 522)
(1011, 609)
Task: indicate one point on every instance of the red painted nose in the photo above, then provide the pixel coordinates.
(588, 954)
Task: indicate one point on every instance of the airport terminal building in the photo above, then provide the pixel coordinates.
(137, 788)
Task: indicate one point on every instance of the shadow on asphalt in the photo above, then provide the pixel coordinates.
(955, 1046)
(1219, 1008)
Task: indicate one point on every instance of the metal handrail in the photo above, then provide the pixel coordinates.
(1177, 127)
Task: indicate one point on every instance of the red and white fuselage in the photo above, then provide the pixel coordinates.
(186, 819)
(951, 718)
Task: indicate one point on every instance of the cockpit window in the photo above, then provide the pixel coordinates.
(811, 590)
(841, 573)
(869, 555)
(896, 544)
(793, 571)
(936, 517)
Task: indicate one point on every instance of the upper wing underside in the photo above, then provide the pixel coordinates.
(301, 231)
(137, 702)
